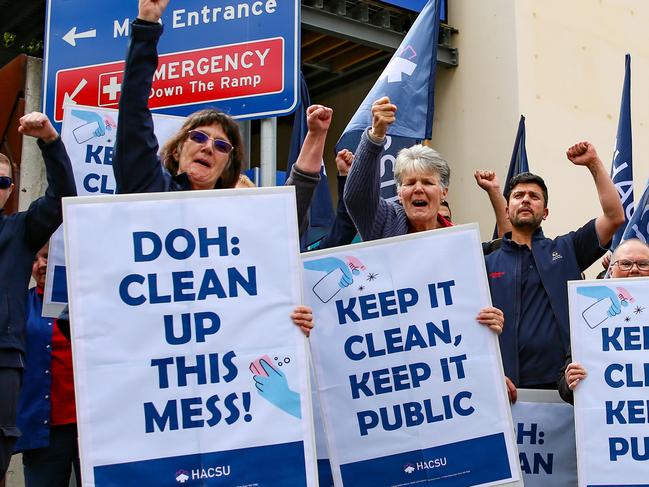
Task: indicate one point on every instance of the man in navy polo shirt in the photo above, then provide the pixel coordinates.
(528, 274)
(21, 236)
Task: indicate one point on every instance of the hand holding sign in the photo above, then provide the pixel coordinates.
(274, 388)
(302, 316)
(574, 373)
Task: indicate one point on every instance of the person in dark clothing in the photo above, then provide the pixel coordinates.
(46, 410)
(528, 273)
(343, 230)
(22, 234)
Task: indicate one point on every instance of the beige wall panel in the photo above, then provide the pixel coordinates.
(561, 64)
(476, 111)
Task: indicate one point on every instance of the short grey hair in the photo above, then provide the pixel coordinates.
(421, 159)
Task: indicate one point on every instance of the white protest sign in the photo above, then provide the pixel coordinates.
(411, 385)
(187, 365)
(609, 329)
(545, 435)
(89, 137)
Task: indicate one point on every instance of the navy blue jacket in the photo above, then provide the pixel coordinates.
(35, 405)
(22, 235)
(558, 261)
(343, 230)
(136, 165)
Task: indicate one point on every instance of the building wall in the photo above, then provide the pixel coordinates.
(561, 64)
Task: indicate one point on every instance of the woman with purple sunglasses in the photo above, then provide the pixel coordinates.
(207, 152)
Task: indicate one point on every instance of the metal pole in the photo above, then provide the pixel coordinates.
(245, 134)
(268, 163)
(32, 170)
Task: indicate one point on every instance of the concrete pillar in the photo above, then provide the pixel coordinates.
(32, 169)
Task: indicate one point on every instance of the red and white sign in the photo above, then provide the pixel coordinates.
(183, 78)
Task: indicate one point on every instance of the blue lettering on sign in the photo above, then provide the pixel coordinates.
(389, 303)
(368, 308)
(541, 464)
(181, 243)
(638, 447)
(134, 292)
(533, 434)
(190, 412)
(97, 183)
(208, 369)
(205, 323)
(384, 381)
(357, 347)
(411, 414)
(627, 338)
(615, 378)
(627, 412)
(99, 155)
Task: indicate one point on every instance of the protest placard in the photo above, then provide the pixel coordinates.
(609, 329)
(89, 137)
(188, 368)
(545, 434)
(411, 385)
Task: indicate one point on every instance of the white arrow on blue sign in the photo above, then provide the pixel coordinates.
(239, 56)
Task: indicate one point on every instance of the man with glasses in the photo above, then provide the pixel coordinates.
(630, 259)
(22, 234)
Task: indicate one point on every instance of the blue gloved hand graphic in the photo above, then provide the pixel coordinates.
(274, 389)
(330, 264)
(91, 117)
(603, 292)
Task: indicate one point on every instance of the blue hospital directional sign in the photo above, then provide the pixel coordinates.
(239, 56)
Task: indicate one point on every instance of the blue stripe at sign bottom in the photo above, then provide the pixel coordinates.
(267, 466)
(465, 463)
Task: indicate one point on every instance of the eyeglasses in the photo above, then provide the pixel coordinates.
(5, 182)
(220, 145)
(627, 265)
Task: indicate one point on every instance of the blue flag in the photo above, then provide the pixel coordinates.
(518, 162)
(321, 212)
(638, 226)
(622, 167)
(409, 81)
